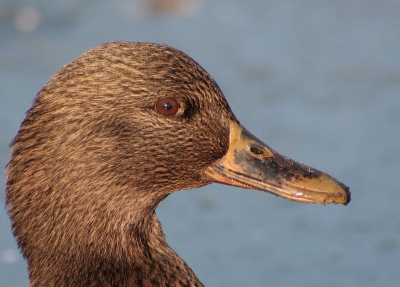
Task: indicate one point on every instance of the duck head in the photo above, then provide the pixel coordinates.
(106, 140)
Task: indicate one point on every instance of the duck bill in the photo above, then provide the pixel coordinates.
(250, 163)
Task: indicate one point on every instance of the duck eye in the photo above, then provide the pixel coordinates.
(167, 106)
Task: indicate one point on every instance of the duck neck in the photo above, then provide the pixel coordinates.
(132, 252)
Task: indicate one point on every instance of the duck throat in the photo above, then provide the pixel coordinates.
(79, 221)
(136, 255)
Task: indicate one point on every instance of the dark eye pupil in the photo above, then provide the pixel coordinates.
(167, 106)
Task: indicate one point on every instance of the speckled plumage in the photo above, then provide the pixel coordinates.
(93, 159)
(106, 140)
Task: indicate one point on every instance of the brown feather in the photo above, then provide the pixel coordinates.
(93, 159)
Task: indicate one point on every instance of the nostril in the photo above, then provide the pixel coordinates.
(256, 150)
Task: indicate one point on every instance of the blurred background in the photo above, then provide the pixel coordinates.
(319, 81)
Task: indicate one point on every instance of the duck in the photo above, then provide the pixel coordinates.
(107, 139)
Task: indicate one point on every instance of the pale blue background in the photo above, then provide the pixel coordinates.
(318, 81)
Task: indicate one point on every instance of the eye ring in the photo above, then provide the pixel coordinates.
(167, 106)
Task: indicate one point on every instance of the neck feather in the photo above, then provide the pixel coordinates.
(136, 256)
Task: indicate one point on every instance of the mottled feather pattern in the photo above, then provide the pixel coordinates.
(93, 159)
